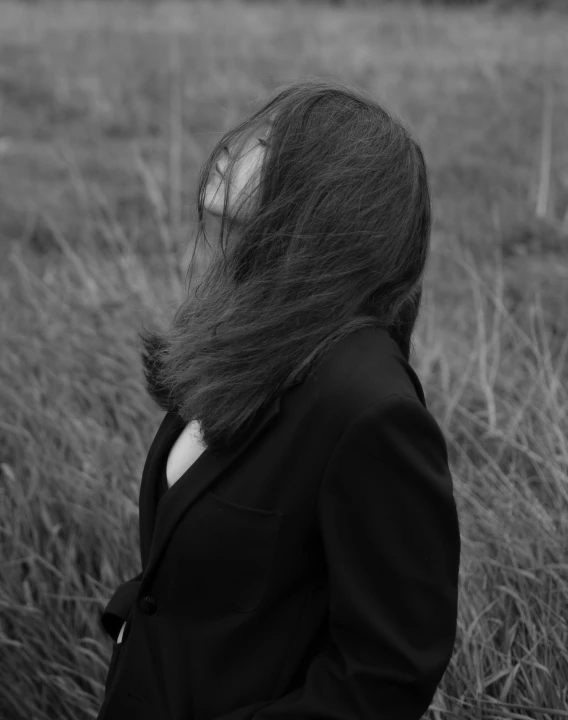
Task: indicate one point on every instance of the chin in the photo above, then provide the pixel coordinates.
(212, 204)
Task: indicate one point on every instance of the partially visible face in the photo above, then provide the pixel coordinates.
(243, 181)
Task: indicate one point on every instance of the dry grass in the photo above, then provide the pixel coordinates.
(106, 112)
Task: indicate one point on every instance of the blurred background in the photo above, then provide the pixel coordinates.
(107, 111)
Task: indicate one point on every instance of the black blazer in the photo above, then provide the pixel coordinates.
(311, 573)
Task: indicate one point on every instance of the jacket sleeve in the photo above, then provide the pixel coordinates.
(390, 531)
(119, 606)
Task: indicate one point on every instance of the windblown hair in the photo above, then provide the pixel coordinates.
(338, 241)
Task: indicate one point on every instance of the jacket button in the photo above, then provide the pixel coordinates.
(148, 605)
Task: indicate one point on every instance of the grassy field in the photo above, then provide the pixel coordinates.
(106, 113)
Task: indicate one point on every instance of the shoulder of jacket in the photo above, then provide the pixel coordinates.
(364, 370)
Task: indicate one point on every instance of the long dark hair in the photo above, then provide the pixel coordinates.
(338, 241)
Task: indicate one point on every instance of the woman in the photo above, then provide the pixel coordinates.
(299, 536)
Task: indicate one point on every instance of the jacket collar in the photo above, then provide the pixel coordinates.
(157, 524)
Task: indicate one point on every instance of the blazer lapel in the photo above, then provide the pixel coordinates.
(157, 524)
